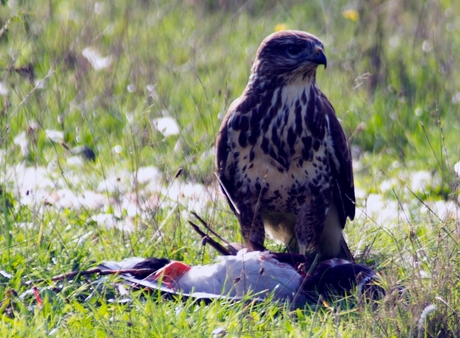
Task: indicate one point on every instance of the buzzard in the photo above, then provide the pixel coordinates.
(283, 159)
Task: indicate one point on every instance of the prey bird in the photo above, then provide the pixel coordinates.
(283, 159)
(262, 274)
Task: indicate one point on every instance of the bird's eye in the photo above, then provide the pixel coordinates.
(293, 50)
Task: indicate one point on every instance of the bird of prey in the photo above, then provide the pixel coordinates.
(283, 159)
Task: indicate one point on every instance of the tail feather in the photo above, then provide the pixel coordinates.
(345, 252)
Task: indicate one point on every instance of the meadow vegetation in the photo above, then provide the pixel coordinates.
(94, 93)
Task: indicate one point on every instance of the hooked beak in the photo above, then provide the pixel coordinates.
(319, 57)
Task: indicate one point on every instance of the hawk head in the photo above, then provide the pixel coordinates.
(289, 54)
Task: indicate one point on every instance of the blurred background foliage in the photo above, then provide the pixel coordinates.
(392, 69)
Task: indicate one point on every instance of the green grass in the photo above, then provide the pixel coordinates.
(392, 77)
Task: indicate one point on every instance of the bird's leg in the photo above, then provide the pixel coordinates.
(256, 242)
(310, 224)
(302, 249)
(254, 246)
(252, 227)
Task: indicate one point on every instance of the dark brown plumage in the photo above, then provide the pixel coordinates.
(334, 278)
(282, 157)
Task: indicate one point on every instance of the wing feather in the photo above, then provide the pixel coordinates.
(341, 163)
(224, 158)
